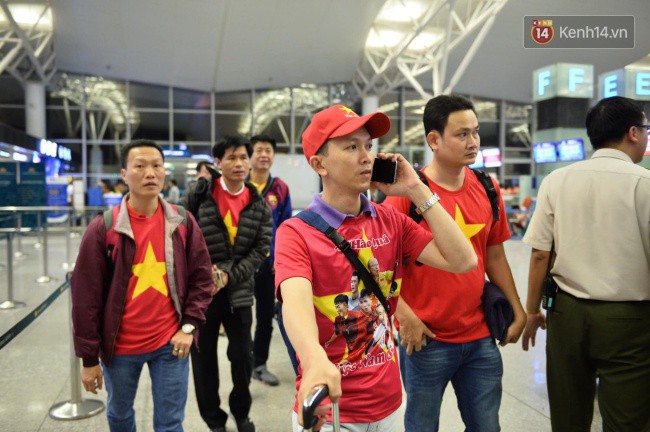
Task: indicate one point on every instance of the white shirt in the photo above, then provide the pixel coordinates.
(598, 212)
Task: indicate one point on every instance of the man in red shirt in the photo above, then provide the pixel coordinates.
(237, 225)
(447, 304)
(310, 272)
(144, 302)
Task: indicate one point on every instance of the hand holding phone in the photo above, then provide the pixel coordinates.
(384, 171)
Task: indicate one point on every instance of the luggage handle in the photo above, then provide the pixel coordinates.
(312, 401)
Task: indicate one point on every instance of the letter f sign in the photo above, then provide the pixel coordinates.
(543, 81)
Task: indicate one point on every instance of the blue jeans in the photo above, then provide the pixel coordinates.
(474, 369)
(169, 377)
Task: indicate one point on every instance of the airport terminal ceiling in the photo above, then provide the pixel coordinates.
(231, 45)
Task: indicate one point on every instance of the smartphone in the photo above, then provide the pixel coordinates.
(384, 171)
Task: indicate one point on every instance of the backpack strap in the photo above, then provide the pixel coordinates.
(412, 213)
(315, 220)
(490, 191)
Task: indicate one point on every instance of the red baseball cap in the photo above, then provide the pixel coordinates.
(337, 121)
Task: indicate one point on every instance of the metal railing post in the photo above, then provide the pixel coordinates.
(77, 407)
(39, 234)
(10, 303)
(45, 278)
(19, 254)
(68, 264)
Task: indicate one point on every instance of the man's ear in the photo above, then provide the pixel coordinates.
(433, 140)
(217, 162)
(123, 174)
(316, 163)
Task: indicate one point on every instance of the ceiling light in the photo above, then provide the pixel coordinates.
(384, 38)
(27, 15)
(397, 11)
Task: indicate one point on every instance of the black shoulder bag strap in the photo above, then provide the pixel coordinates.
(491, 192)
(315, 220)
(412, 213)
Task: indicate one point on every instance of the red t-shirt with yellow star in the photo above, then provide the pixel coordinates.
(230, 206)
(149, 320)
(450, 303)
(370, 373)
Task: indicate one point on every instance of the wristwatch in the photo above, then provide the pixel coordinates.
(188, 328)
(428, 204)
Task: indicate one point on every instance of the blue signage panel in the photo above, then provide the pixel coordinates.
(32, 189)
(8, 188)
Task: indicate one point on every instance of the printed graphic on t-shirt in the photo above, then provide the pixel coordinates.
(365, 327)
(470, 230)
(151, 274)
(232, 229)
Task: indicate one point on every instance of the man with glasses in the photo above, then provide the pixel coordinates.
(596, 216)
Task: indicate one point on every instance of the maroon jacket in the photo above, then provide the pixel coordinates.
(98, 303)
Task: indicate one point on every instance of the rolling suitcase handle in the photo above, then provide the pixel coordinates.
(314, 398)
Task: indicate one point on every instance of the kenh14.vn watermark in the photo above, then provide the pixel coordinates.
(573, 31)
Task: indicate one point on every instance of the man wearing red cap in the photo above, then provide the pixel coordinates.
(311, 272)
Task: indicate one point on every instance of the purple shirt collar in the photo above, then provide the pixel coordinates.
(334, 217)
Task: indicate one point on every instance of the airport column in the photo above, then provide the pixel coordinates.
(35, 118)
(369, 105)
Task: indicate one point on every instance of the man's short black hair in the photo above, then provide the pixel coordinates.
(438, 109)
(124, 151)
(355, 274)
(263, 138)
(610, 119)
(365, 293)
(341, 298)
(172, 181)
(231, 142)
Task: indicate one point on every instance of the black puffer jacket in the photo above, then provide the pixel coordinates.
(252, 243)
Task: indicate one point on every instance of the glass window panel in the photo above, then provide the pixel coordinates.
(345, 94)
(518, 135)
(231, 124)
(515, 111)
(105, 125)
(233, 101)
(486, 109)
(191, 127)
(11, 91)
(191, 99)
(389, 103)
(278, 126)
(148, 96)
(269, 106)
(413, 133)
(154, 126)
(14, 117)
(310, 98)
(64, 124)
(489, 133)
(390, 141)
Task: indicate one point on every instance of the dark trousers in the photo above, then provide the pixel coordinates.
(264, 311)
(205, 368)
(590, 339)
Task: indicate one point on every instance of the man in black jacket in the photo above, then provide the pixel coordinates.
(237, 226)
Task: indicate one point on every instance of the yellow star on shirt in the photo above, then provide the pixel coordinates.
(150, 274)
(470, 230)
(232, 230)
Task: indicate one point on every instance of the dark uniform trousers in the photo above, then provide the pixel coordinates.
(604, 340)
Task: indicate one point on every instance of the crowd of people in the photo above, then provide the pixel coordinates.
(157, 278)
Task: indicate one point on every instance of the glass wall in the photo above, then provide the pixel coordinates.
(98, 115)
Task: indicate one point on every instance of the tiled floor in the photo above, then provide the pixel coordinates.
(34, 367)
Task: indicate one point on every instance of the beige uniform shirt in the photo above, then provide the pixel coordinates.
(598, 212)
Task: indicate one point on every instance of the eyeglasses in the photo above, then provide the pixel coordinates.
(645, 126)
